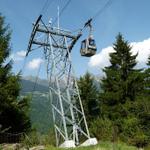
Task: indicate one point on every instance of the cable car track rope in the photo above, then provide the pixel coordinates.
(62, 10)
(46, 6)
(100, 11)
(109, 2)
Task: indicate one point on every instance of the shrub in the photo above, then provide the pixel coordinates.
(35, 138)
(132, 133)
(101, 129)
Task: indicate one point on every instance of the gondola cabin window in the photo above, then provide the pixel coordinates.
(88, 47)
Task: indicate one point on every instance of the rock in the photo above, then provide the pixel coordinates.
(18, 146)
(37, 148)
(15, 146)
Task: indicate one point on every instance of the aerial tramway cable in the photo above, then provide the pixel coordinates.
(62, 10)
(88, 46)
(36, 80)
(94, 17)
(43, 10)
(100, 11)
(46, 6)
(109, 2)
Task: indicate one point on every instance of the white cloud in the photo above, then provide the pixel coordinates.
(34, 63)
(21, 53)
(143, 49)
(101, 59)
(18, 56)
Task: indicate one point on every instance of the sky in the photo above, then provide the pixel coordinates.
(129, 17)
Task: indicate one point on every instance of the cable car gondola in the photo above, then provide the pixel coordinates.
(88, 46)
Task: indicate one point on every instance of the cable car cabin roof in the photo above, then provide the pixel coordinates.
(88, 47)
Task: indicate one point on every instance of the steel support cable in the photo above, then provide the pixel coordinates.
(108, 3)
(46, 6)
(36, 80)
(62, 10)
(24, 63)
(23, 70)
(100, 11)
(23, 66)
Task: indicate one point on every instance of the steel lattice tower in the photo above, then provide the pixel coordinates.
(68, 115)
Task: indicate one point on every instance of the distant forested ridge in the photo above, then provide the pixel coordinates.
(29, 85)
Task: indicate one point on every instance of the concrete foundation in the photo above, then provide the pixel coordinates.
(68, 144)
(89, 142)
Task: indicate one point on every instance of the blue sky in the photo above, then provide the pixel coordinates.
(130, 17)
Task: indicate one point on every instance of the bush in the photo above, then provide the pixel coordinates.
(35, 138)
(132, 133)
(101, 129)
(139, 140)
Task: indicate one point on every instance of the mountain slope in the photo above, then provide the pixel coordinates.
(41, 115)
(30, 86)
(40, 108)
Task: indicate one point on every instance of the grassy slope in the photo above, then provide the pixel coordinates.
(101, 146)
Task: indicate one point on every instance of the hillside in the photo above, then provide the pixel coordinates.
(28, 84)
(41, 116)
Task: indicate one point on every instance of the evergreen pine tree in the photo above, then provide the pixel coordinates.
(122, 81)
(13, 111)
(144, 107)
(88, 93)
(120, 99)
(147, 78)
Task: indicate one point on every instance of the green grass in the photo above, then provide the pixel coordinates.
(100, 146)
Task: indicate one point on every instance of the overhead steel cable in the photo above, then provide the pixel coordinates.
(100, 11)
(62, 10)
(43, 10)
(109, 2)
(36, 81)
(46, 6)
